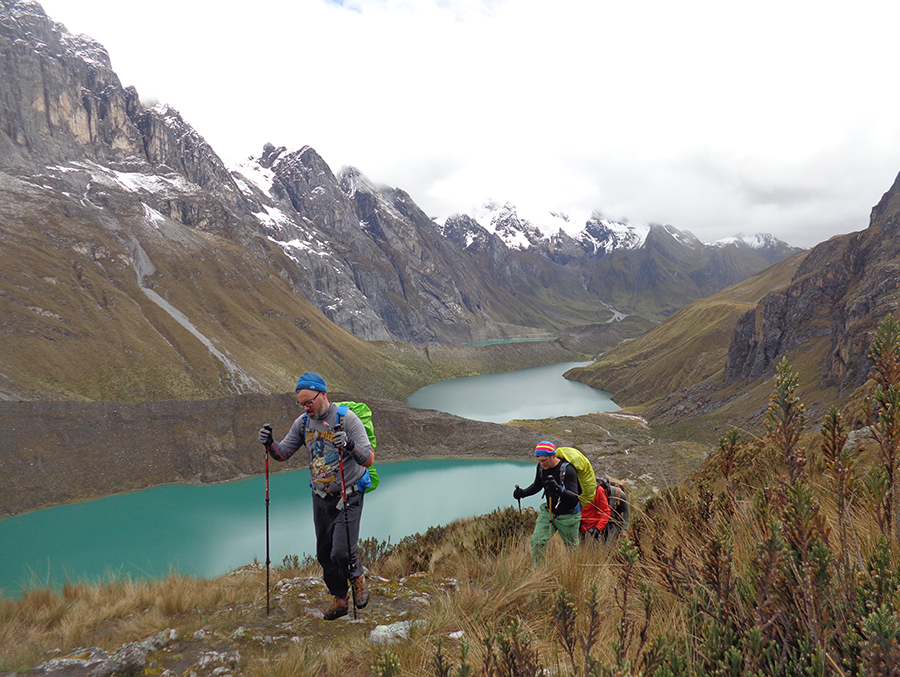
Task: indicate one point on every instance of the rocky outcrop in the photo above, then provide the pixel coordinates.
(840, 293)
(60, 101)
(59, 97)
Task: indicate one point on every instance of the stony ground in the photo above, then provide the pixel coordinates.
(238, 636)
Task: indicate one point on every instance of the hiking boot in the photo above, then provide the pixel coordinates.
(339, 607)
(360, 592)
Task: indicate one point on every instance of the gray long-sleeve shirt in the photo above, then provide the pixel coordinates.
(317, 435)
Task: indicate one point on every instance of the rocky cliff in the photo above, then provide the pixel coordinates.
(365, 256)
(839, 294)
(710, 365)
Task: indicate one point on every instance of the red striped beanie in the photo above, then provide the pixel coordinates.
(545, 448)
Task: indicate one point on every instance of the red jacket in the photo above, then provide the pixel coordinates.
(596, 513)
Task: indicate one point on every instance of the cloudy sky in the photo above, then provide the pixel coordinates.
(715, 117)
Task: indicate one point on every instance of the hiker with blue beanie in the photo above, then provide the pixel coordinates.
(561, 510)
(339, 453)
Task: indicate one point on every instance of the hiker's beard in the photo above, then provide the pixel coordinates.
(319, 413)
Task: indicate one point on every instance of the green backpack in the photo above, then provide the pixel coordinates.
(370, 480)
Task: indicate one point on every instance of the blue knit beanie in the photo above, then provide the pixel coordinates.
(311, 381)
(545, 448)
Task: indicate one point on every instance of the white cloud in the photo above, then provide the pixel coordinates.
(714, 117)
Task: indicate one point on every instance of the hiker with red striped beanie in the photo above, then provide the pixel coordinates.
(561, 510)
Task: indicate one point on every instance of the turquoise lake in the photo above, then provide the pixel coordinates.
(212, 529)
(208, 530)
(539, 392)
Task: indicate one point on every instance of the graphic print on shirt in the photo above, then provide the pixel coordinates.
(325, 460)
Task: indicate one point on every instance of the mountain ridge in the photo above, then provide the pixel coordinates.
(818, 309)
(193, 279)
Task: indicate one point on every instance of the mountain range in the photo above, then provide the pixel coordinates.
(155, 297)
(132, 252)
(711, 364)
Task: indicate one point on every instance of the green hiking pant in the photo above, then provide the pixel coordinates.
(544, 528)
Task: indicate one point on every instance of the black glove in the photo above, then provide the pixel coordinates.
(340, 438)
(518, 494)
(551, 486)
(265, 434)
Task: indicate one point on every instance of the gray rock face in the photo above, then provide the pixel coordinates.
(59, 97)
(843, 289)
(364, 255)
(60, 100)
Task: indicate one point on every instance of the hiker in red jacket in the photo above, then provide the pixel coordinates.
(595, 516)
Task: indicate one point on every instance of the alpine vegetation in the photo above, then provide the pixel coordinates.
(779, 556)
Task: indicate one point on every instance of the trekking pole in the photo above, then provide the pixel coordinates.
(521, 520)
(268, 561)
(347, 524)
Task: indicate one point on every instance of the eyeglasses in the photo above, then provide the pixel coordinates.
(309, 403)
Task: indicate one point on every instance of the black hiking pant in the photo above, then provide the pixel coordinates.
(333, 551)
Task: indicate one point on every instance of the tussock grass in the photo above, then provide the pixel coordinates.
(108, 614)
(780, 556)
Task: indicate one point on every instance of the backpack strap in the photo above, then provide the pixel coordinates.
(341, 413)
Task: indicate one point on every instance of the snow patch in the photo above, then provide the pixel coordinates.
(254, 172)
(153, 217)
(274, 218)
(297, 244)
(134, 181)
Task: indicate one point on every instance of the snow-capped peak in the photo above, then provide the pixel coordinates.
(605, 235)
(354, 181)
(521, 228)
(757, 241)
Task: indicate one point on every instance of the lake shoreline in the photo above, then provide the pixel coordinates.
(210, 530)
(273, 470)
(59, 453)
(84, 450)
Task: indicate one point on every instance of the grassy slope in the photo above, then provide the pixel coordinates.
(76, 325)
(687, 349)
(473, 579)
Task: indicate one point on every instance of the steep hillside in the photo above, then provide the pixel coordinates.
(837, 298)
(689, 348)
(711, 363)
(137, 266)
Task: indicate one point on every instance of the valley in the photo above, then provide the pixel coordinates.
(153, 297)
(157, 304)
